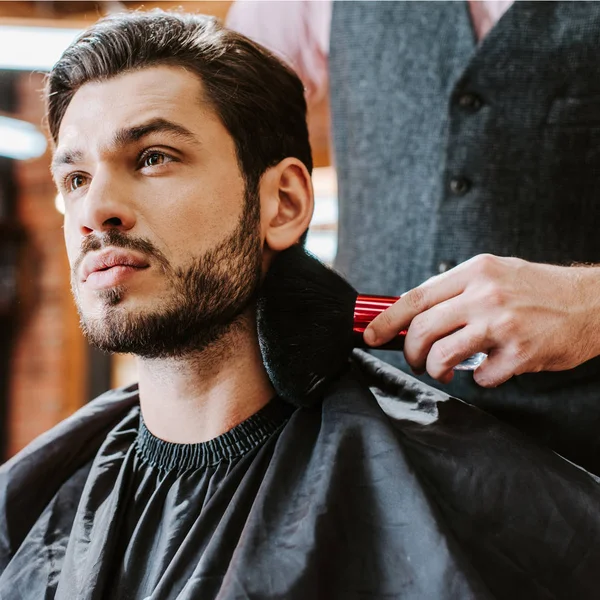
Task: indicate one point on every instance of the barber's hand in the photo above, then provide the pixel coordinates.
(527, 317)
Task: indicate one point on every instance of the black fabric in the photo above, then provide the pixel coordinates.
(388, 489)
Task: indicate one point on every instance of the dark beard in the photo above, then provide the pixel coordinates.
(208, 298)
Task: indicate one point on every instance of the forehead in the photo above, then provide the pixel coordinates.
(99, 108)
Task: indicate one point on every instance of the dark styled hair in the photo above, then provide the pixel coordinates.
(258, 98)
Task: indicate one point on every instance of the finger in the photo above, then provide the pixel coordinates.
(430, 326)
(497, 368)
(398, 316)
(451, 350)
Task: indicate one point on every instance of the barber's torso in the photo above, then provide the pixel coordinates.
(446, 149)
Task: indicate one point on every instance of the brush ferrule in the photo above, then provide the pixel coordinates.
(367, 307)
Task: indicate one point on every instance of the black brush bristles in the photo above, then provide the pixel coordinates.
(305, 317)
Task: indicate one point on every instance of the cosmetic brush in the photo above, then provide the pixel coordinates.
(309, 319)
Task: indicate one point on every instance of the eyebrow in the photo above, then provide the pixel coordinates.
(126, 136)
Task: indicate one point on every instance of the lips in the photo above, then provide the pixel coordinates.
(119, 260)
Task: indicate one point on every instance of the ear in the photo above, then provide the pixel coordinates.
(287, 203)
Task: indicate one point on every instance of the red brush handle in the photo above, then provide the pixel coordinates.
(367, 307)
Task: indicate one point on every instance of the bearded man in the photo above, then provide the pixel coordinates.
(182, 153)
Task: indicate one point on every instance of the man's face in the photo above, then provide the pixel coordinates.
(164, 245)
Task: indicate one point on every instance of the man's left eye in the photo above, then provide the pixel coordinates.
(153, 159)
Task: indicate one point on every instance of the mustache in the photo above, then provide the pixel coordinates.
(115, 239)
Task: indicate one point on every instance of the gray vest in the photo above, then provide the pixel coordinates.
(446, 149)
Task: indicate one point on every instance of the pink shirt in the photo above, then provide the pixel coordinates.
(298, 31)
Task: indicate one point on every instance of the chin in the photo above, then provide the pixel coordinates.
(113, 296)
(95, 306)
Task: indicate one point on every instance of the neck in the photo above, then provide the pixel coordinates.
(201, 396)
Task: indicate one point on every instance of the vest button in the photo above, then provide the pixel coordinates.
(470, 102)
(446, 265)
(459, 186)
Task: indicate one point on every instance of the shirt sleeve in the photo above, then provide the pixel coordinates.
(295, 30)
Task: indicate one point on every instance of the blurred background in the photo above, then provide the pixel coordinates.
(47, 369)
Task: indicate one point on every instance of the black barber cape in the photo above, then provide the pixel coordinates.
(387, 489)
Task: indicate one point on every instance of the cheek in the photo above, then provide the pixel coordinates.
(72, 243)
(201, 216)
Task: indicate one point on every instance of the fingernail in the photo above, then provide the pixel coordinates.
(484, 382)
(370, 337)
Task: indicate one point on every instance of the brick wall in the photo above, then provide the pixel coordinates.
(49, 359)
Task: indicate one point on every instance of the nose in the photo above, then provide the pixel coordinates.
(107, 205)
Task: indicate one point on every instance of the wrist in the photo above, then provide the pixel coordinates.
(587, 286)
